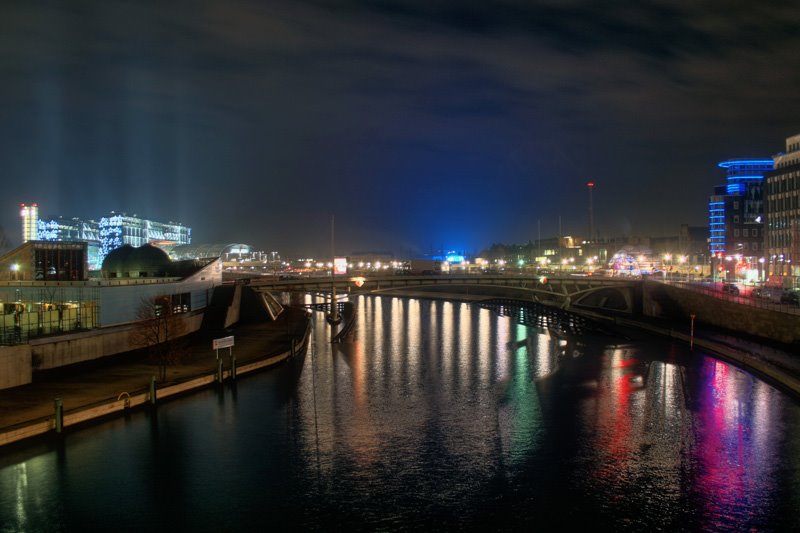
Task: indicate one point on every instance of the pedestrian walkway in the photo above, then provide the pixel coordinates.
(106, 379)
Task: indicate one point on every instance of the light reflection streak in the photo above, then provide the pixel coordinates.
(415, 344)
(21, 473)
(466, 362)
(433, 336)
(722, 445)
(484, 347)
(449, 348)
(519, 416)
(503, 337)
(544, 355)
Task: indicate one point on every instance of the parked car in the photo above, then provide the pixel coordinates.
(791, 297)
(730, 288)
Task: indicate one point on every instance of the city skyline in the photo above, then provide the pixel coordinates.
(417, 125)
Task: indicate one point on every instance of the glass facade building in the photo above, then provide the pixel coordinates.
(108, 234)
(117, 230)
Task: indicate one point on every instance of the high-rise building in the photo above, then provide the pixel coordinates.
(30, 221)
(736, 216)
(783, 212)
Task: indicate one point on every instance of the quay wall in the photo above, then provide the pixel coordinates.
(668, 301)
(234, 310)
(15, 366)
(141, 397)
(53, 352)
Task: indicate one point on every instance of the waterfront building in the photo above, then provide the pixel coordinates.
(736, 218)
(111, 232)
(50, 307)
(782, 200)
(45, 261)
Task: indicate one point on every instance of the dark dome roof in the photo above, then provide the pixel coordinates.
(116, 259)
(147, 260)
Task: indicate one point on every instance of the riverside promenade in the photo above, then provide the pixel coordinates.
(125, 379)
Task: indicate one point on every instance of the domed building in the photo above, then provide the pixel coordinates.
(146, 261)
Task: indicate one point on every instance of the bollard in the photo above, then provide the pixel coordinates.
(153, 390)
(233, 367)
(219, 370)
(59, 408)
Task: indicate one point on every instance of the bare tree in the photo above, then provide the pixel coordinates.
(160, 329)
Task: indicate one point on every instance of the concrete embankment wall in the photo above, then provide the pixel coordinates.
(234, 310)
(141, 398)
(739, 357)
(668, 301)
(54, 352)
(15, 366)
(17, 363)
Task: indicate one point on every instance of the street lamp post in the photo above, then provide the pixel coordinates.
(667, 260)
(590, 185)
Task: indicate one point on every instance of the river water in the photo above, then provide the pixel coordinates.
(436, 415)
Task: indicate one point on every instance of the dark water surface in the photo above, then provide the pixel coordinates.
(438, 416)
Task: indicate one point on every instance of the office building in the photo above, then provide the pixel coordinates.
(783, 213)
(736, 217)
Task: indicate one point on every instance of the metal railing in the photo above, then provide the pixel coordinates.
(744, 297)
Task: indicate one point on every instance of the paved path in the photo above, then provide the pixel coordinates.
(101, 380)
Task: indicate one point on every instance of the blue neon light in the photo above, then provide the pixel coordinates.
(738, 163)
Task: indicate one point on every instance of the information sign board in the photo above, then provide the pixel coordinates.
(224, 342)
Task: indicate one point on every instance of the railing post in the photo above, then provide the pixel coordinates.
(152, 390)
(59, 414)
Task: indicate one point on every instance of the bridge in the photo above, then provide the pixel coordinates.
(616, 296)
(559, 288)
(536, 314)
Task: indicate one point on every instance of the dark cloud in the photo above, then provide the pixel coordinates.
(418, 123)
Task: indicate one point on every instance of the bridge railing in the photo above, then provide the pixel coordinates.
(744, 297)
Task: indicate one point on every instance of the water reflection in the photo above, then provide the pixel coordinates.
(436, 415)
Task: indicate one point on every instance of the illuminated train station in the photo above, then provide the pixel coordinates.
(102, 236)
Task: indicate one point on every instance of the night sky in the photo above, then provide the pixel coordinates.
(418, 124)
